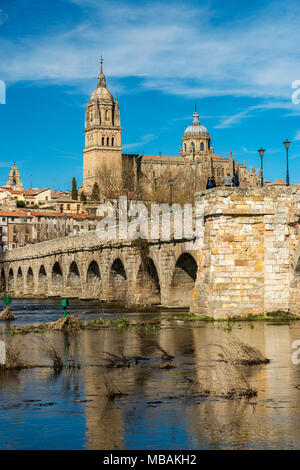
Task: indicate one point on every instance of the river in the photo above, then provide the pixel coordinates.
(40, 409)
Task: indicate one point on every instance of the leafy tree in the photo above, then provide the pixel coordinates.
(74, 189)
(96, 192)
(83, 197)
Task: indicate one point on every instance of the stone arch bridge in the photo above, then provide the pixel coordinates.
(248, 261)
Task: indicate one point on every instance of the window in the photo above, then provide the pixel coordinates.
(102, 141)
(202, 146)
(112, 141)
(107, 141)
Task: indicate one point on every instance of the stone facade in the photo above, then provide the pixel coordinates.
(248, 261)
(14, 179)
(103, 148)
(22, 228)
(102, 135)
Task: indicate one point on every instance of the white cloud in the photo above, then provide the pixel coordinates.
(229, 121)
(297, 136)
(177, 48)
(136, 145)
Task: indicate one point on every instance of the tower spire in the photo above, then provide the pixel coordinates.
(101, 76)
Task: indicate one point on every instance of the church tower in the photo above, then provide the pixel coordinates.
(14, 178)
(103, 146)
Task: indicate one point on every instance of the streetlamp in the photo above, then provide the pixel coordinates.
(261, 152)
(287, 144)
(171, 186)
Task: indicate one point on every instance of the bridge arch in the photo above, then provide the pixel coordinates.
(57, 279)
(20, 281)
(42, 280)
(147, 288)
(93, 279)
(11, 280)
(183, 281)
(29, 281)
(2, 281)
(73, 280)
(117, 282)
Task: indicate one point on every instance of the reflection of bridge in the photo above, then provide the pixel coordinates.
(248, 261)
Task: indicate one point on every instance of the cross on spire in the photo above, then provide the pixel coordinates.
(101, 76)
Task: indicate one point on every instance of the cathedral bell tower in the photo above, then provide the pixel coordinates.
(103, 146)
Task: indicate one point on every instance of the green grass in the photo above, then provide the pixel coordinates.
(123, 322)
(270, 316)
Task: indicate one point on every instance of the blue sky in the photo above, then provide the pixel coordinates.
(236, 61)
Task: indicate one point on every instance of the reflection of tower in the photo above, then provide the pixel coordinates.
(102, 135)
(14, 178)
(104, 422)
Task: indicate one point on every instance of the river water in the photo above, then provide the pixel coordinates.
(70, 410)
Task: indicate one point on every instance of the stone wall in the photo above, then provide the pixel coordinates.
(247, 261)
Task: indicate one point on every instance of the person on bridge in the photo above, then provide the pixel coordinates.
(227, 180)
(235, 180)
(211, 183)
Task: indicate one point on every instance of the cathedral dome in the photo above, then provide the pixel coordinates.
(196, 127)
(102, 93)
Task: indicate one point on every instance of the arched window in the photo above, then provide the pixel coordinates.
(107, 141)
(112, 141)
(102, 141)
(185, 147)
(202, 146)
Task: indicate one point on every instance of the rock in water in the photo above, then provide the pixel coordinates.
(65, 324)
(6, 315)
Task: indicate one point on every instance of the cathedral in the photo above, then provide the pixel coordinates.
(103, 148)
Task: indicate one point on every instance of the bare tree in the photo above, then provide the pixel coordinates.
(185, 184)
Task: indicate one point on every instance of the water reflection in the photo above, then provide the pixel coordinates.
(40, 409)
